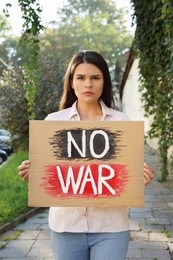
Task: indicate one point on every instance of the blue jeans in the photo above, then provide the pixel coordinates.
(90, 246)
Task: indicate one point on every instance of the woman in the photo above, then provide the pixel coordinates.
(83, 233)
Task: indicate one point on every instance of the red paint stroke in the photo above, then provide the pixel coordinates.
(52, 184)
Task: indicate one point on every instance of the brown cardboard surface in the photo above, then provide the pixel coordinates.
(110, 173)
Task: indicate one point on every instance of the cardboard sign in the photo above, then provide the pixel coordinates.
(81, 163)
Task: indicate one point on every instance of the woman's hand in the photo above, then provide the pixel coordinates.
(23, 170)
(148, 174)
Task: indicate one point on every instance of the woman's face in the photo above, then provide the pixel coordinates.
(87, 82)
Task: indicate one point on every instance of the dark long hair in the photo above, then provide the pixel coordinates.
(91, 57)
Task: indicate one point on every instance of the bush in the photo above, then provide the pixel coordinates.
(14, 107)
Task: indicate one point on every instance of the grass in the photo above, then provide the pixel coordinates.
(13, 236)
(13, 190)
(167, 233)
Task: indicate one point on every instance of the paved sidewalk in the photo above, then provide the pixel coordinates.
(151, 227)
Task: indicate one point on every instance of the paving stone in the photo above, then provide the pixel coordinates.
(149, 228)
(169, 228)
(44, 226)
(151, 198)
(31, 220)
(164, 215)
(145, 210)
(141, 214)
(161, 205)
(140, 221)
(166, 192)
(139, 258)
(151, 191)
(170, 204)
(168, 198)
(156, 254)
(134, 226)
(27, 226)
(44, 234)
(29, 234)
(20, 243)
(42, 243)
(158, 237)
(14, 252)
(2, 244)
(148, 204)
(40, 219)
(148, 245)
(139, 235)
(24, 258)
(8, 233)
(40, 252)
(170, 245)
(171, 220)
(158, 221)
(134, 253)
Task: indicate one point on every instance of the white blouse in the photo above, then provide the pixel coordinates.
(88, 219)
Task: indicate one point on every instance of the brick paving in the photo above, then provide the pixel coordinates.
(151, 227)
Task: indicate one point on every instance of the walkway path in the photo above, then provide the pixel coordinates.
(151, 227)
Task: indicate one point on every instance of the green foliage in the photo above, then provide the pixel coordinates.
(13, 190)
(4, 28)
(31, 86)
(30, 42)
(154, 45)
(167, 233)
(3, 18)
(3, 23)
(13, 236)
(14, 109)
(5, 10)
(97, 25)
(14, 112)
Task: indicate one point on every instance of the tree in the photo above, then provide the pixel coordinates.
(32, 27)
(13, 102)
(153, 41)
(14, 107)
(96, 25)
(41, 59)
(4, 51)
